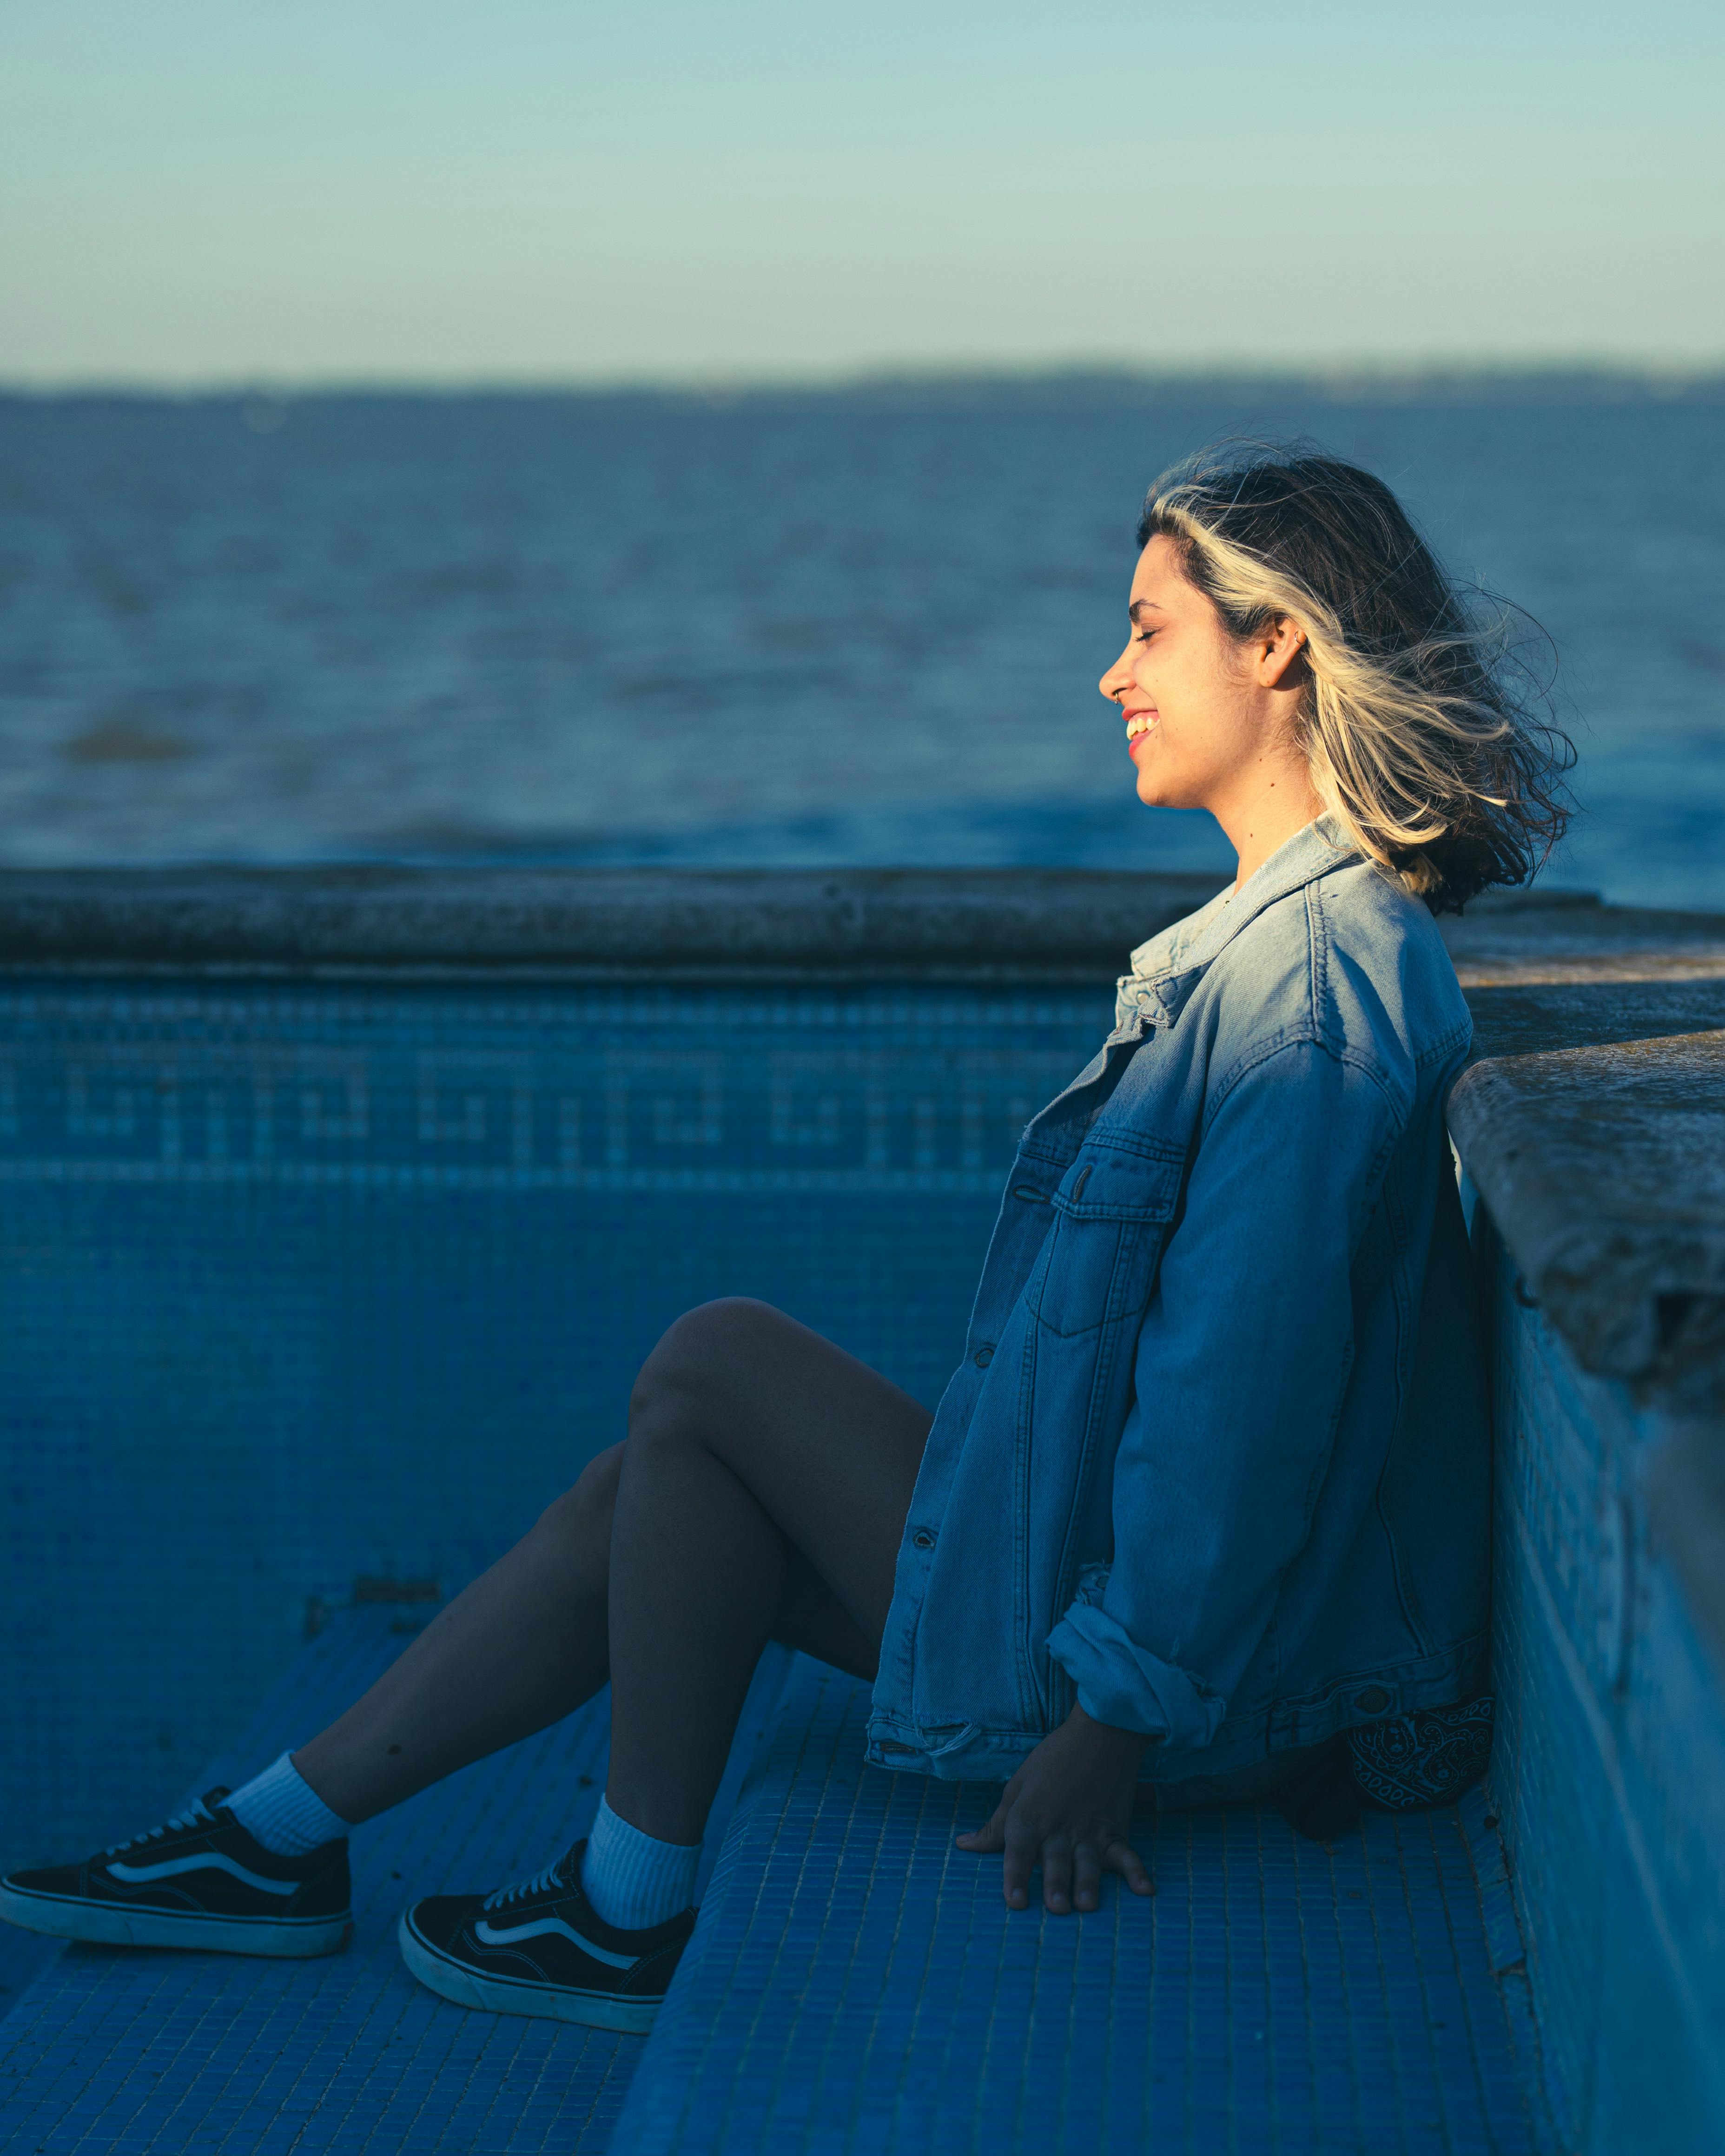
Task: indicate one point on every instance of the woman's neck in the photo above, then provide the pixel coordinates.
(1264, 810)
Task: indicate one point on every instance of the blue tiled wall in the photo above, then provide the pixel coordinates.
(1610, 1765)
(299, 1286)
(295, 1287)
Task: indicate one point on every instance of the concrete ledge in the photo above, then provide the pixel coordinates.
(1592, 1121)
(710, 924)
(715, 924)
(1603, 1167)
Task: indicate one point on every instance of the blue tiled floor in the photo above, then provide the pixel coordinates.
(858, 1985)
(122, 2051)
(855, 1985)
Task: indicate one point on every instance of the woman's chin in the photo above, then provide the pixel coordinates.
(1160, 785)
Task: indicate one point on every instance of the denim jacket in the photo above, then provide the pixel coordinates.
(1216, 1463)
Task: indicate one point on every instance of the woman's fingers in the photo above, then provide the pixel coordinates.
(1071, 1870)
(1057, 1874)
(1086, 1877)
(1024, 1847)
(1123, 1858)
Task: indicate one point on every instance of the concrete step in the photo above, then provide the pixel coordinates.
(854, 1983)
(857, 1985)
(117, 2050)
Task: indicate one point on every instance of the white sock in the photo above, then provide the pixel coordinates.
(632, 1880)
(281, 1809)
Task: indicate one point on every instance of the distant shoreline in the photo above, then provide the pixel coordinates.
(978, 388)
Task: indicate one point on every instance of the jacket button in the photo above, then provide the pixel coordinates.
(984, 1355)
(923, 1538)
(1372, 1700)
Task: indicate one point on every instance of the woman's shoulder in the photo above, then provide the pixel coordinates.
(1384, 952)
(1351, 962)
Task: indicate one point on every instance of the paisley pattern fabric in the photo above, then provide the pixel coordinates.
(1431, 1757)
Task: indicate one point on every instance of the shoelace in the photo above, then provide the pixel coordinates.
(196, 1813)
(542, 1882)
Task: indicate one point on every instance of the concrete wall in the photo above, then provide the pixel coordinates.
(1593, 1127)
(1609, 1771)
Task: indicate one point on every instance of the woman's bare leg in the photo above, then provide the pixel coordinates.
(767, 1478)
(521, 1647)
(764, 1493)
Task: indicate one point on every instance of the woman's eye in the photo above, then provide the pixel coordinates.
(1143, 635)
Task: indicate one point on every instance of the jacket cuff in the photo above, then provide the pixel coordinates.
(1124, 1685)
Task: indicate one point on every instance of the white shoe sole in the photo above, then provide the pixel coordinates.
(97, 1923)
(552, 2002)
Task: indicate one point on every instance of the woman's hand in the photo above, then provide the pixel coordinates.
(1069, 1808)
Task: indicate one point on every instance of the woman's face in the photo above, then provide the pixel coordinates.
(1200, 717)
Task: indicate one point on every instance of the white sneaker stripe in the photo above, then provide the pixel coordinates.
(138, 1874)
(489, 1935)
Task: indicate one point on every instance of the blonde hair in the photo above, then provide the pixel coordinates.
(1418, 742)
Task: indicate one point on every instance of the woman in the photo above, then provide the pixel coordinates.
(1205, 1506)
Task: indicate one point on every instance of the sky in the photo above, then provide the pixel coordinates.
(200, 192)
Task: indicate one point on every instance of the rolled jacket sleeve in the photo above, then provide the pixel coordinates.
(1241, 1368)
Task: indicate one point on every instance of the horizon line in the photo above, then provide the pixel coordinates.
(1337, 379)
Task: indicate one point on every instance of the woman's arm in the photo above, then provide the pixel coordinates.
(1242, 1363)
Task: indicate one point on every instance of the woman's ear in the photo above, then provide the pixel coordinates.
(1278, 649)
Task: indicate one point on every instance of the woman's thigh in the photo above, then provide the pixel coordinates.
(828, 1448)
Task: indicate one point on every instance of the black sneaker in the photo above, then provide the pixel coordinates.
(201, 1881)
(540, 1948)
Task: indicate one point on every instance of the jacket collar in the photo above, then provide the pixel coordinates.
(1167, 968)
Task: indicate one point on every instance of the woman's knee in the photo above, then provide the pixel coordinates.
(582, 1516)
(687, 1372)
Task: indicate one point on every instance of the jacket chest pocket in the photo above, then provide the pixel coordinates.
(1112, 1212)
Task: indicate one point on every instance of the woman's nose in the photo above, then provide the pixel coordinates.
(1115, 683)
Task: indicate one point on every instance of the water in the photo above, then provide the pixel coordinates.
(845, 629)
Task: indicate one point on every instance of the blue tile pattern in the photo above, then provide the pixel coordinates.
(298, 1284)
(857, 1984)
(114, 2052)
